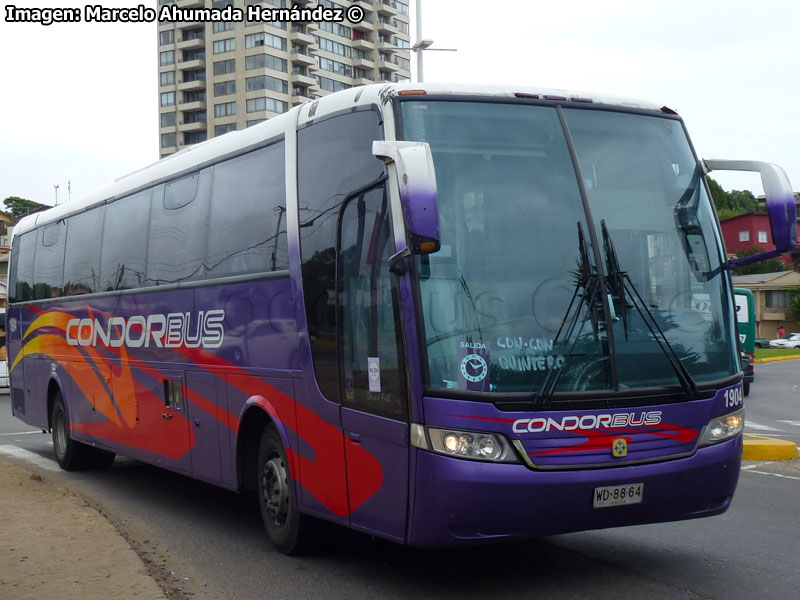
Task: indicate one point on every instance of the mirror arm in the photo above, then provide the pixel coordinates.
(741, 261)
(397, 261)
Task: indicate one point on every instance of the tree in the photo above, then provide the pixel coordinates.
(794, 302)
(718, 195)
(771, 265)
(19, 207)
(744, 201)
(731, 204)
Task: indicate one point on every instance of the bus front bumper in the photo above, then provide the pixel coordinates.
(459, 502)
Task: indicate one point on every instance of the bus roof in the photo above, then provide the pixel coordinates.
(193, 156)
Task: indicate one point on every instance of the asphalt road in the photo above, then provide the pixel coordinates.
(213, 542)
(773, 406)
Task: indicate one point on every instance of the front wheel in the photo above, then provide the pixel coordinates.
(70, 454)
(287, 529)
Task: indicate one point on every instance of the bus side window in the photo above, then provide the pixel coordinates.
(176, 249)
(48, 270)
(247, 220)
(125, 242)
(21, 276)
(81, 258)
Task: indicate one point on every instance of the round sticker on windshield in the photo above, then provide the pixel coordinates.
(474, 368)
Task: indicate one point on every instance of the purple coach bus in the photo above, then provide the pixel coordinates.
(437, 315)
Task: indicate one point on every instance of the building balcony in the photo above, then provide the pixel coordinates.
(198, 105)
(363, 45)
(306, 80)
(187, 86)
(386, 7)
(196, 126)
(363, 63)
(192, 64)
(192, 43)
(363, 81)
(365, 25)
(190, 3)
(385, 27)
(385, 65)
(302, 59)
(301, 97)
(299, 37)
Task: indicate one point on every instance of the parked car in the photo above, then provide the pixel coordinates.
(3, 374)
(793, 341)
(762, 343)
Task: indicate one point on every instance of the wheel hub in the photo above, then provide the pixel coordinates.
(275, 486)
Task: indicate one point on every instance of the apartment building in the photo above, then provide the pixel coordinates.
(217, 76)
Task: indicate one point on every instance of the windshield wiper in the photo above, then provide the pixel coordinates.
(621, 288)
(587, 291)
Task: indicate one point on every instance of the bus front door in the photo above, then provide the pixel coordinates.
(374, 402)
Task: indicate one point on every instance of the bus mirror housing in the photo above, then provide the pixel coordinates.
(780, 206)
(416, 179)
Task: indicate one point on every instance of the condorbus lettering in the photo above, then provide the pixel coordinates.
(587, 422)
(174, 330)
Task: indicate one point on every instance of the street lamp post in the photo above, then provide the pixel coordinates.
(423, 44)
(418, 48)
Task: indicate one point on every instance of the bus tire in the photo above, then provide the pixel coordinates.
(746, 388)
(287, 529)
(70, 454)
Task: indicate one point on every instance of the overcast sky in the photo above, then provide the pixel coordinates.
(79, 101)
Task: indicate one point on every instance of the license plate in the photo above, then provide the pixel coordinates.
(618, 495)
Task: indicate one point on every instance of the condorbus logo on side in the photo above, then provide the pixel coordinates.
(172, 330)
(586, 422)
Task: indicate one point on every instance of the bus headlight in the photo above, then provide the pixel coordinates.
(472, 445)
(723, 428)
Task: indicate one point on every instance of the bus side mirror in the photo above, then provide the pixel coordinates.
(416, 179)
(780, 206)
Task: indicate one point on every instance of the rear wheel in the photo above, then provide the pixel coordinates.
(287, 529)
(70, 454)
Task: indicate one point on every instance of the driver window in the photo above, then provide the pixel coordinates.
(370, 350)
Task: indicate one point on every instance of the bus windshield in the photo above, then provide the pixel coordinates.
(537, 289)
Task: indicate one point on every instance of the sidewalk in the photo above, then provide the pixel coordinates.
(53, 545)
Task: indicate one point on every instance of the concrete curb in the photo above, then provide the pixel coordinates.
(759, 447)
(776, 358)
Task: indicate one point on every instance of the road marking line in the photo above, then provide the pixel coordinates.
(23, 433)
(775, 475)
(759, 426)
(39, 461)
(792, 423)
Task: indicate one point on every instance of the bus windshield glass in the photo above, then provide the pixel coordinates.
(536, 291)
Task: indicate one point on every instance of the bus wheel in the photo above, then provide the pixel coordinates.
(746, 386)
(70, 454)
(287, 529)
